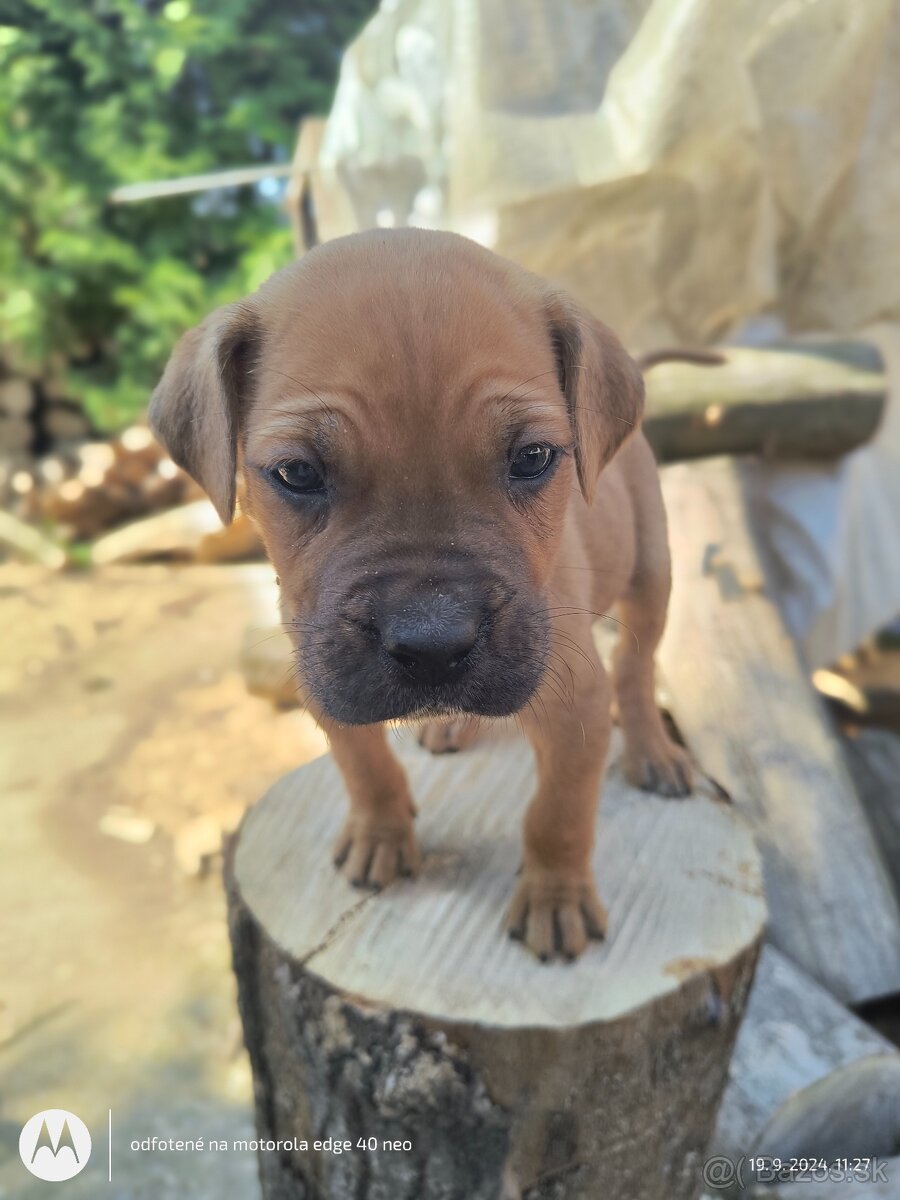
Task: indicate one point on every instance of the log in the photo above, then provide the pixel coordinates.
(799, 1064)
(409, 1019)
(16, 398)
(795, 401)
(65, 422)
(878, 1180)
(192, 531)
(854, 1112)
(744, 704)
(16, 434)
(29, 543)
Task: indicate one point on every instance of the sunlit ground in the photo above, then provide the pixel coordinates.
(129, 743)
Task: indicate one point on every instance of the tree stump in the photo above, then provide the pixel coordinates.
(455, 1065)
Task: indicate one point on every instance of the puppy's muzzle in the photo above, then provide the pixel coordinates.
(391, 643)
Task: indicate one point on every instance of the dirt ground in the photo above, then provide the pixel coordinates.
(128, 743)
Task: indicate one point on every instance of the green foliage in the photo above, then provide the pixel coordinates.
(99, 93)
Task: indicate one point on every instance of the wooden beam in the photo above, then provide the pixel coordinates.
(746, 707)
(134, 193)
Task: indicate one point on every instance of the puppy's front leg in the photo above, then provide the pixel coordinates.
(377, 842)
(556, 906)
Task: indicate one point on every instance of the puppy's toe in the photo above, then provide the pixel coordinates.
(446, 737)
(572, 936)
(664, 768)
(556, 913)
(373, 854)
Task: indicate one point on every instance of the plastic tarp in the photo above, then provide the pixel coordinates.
(684, 168)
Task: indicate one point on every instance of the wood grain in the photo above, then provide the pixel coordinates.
(744, 703)
(679, 879)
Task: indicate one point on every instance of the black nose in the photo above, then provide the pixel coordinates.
(431, 650)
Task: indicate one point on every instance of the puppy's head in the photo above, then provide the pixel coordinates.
(412, 415)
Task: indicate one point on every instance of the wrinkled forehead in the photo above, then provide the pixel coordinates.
(376, 321)
(408, 342)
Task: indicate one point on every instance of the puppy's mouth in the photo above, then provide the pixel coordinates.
(360, 675)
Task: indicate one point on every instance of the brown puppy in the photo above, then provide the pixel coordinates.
(443, 455)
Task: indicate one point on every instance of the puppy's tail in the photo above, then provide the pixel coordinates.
(703, 358)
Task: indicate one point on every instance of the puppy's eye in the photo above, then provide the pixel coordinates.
(298, 477)
(531, 462)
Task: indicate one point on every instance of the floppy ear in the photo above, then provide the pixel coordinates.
(195, 409)
(603, 386)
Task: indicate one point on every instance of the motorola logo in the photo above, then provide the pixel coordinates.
(55, 1145)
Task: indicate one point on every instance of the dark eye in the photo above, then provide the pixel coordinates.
(531, 462)
(298, 477)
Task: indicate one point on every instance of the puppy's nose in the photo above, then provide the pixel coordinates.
(431, 651)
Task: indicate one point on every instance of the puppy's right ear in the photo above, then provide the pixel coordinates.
(602, 385)
(195, 409)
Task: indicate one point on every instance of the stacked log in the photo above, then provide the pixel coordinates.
(97, 485)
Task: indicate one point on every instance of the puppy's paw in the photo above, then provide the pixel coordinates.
(373, 853)
(556, 912)
(445, 737)
(660, 765)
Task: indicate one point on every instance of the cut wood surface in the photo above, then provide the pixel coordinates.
(797, 1067)
(802, 401)
(744, 703)
(409, 1014)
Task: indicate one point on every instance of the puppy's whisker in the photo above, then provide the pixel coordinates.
(562, 611)
(562, 660)
(556, 685)
(571, 644)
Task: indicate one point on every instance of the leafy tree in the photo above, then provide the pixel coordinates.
(99, 93)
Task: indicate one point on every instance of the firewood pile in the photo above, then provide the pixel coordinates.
(92, 486)
(125, 496)
(38, 419)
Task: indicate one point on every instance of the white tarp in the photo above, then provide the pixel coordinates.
(681, 166)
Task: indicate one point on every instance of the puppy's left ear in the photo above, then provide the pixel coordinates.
(195, 409)
(602, 385)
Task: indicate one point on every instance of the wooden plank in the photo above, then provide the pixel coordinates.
(874, 759)
(800, 401)
(744, 703)
(298, 198)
